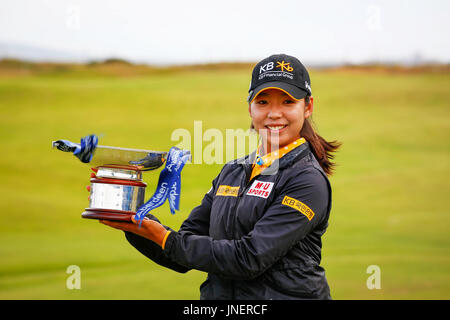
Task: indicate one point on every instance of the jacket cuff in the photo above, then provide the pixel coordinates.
(170, 239)
(165, 239)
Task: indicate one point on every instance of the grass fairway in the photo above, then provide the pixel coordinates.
(390, 192)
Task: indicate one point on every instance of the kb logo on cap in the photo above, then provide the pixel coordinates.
(269, 66)
(284, 65)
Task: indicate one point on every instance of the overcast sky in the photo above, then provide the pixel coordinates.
(196, 31)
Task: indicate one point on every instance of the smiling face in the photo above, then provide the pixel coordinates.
(278, 118)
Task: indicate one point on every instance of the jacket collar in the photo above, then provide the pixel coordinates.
(286, 161)
(294, 155)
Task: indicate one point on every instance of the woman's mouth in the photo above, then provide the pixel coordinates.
(276, 128)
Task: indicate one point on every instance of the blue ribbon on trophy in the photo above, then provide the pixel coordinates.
(169, 183)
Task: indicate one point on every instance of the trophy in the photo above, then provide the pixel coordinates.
(117, 191)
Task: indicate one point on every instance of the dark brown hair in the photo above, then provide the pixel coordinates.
(322, 149)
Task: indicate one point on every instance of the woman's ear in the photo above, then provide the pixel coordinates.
(309, 108)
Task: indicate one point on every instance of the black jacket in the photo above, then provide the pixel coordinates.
(258, 239)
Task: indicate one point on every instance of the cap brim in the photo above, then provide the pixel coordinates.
(294, 92)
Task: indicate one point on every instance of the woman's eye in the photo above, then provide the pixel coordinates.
(289, 101)
(261, 102)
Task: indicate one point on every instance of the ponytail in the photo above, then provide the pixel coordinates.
(323, 150)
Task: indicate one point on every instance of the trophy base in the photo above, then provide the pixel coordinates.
(107, 214)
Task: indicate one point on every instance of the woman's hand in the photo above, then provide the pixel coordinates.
(149, 229)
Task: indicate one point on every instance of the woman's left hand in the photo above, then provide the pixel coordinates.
(149, 229)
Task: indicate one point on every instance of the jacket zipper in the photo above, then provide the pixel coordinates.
(239, 197)
(233, 220)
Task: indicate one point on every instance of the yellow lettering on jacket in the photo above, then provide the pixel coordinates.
(227, 191)
(299, 206)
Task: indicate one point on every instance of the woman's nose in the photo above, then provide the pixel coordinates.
(274, 112)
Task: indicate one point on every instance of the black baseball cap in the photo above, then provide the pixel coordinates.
(280, 71)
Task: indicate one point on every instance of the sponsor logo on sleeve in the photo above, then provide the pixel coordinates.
(227, 191)
(299, 206)
(260, 189)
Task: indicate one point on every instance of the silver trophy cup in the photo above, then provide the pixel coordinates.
(116, 192)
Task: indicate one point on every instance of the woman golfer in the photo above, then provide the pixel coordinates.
(257, 232)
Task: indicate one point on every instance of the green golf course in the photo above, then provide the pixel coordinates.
(391, 204)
